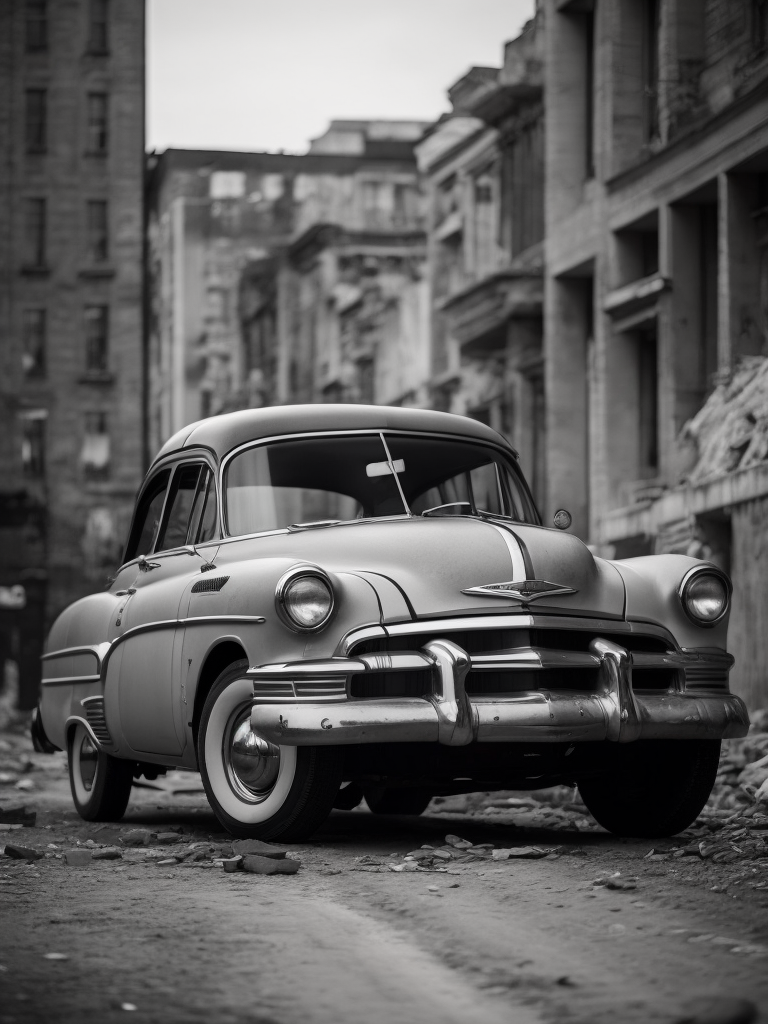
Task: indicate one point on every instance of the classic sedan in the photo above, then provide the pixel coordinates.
(323, 603)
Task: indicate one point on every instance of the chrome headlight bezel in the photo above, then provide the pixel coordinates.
(690, 578)
(294, 574)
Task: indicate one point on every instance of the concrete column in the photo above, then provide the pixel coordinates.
(738, 291)
(566, 388)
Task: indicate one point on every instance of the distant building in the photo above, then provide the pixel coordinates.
(656, 284)
(239, 314)
(484, 170)
(71, 241)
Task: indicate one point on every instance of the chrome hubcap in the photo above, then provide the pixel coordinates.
(89, 759)
(252, 763)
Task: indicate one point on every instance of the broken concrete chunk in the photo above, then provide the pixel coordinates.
(167, 838)
(232, 863)
(108, 853)
(18, 815)
(78, 858)
(458, 842)
(136, 837)
(255, 846)
(527, 852)
(269, 865)
(22, 853)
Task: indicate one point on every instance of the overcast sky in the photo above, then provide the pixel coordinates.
(259, 75)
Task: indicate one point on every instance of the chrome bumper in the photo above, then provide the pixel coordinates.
(449, 716)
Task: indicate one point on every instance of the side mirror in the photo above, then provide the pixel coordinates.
(562, 519)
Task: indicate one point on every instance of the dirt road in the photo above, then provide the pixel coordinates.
(348, 939)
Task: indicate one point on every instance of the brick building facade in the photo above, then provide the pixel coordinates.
(71, 241)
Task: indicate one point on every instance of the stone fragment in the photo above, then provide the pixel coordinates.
(257, 865)
(22, 853)
(55, 956)
(136, 837)
(458, 842)
(167, 838)
(18, 815)
(166, 862)
(620, 883)
(232, 863)
(255, 846)
(78, 858)
(108, 853)
(525, 852)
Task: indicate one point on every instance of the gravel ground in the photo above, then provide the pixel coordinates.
(507, 907)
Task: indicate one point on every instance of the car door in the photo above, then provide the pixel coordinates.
(148, 672)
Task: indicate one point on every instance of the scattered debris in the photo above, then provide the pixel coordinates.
(255, 846)
(257, 865)
(22, 853)
(78, 858)
(529, 852)
(136, 837)
(107, 853)
(167, 838)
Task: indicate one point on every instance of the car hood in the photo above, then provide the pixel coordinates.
(432, 561)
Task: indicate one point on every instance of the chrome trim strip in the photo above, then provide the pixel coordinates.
(69, 680)
(82, 721)
(370, 631)
(96, 649)
(515, 552)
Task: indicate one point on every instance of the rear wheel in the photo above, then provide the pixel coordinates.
(656, 788)
(259, 790)
(100, 783)
(386, 800)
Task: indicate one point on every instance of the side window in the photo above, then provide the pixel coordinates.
(147, 519)
(179, 507)
(203, 519)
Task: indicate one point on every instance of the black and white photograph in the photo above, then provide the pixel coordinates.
(384, 512)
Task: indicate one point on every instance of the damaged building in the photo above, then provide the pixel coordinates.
(656, 277)
(71, 243)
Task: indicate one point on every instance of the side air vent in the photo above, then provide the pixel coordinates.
(206, 586)
(94, 715)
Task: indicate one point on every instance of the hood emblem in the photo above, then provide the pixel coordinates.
(525, 590)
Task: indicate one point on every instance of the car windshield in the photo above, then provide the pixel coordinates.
(338, 478)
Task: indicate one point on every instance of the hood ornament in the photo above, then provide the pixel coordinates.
(525, 590)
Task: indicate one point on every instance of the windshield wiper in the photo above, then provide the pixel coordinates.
(315, 524)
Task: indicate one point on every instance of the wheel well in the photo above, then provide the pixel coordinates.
(218, 659)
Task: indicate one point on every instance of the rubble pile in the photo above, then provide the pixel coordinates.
(456, 851)
(730, 431)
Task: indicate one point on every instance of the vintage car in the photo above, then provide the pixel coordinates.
(321, 603)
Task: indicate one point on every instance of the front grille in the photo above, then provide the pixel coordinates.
(206, 586)
(321, 689)
(272, 688)
(94, 716)
(706, 678)
(489, 683)
(656, 679)
(375, 685)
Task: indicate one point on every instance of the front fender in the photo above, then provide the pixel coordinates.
(652, 583)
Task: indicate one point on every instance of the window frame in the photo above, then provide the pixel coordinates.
(171, 463)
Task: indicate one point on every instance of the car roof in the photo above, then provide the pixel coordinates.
(223, 433)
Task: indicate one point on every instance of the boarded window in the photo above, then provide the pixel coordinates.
(95, 454)
(96, 228)
(97, 122)
(36, 26)
(96, 339)
(34, 232)
(33, 342)
(35, 127)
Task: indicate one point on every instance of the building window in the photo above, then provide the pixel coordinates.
(760, 24)
(650, 58)
(34, 232)
(94, 456)
(33, 340)
(98, 39)
(96, 338)
(97, 122)
(35, 121)
(36, 26)
(648, 370)
(589, 93)
(98, 241)
(33, 443)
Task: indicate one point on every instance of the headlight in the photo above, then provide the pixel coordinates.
(705, 595)
(304, 599)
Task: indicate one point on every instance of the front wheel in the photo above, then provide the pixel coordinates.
(100, 783)
(256, 789)
(655, 788)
